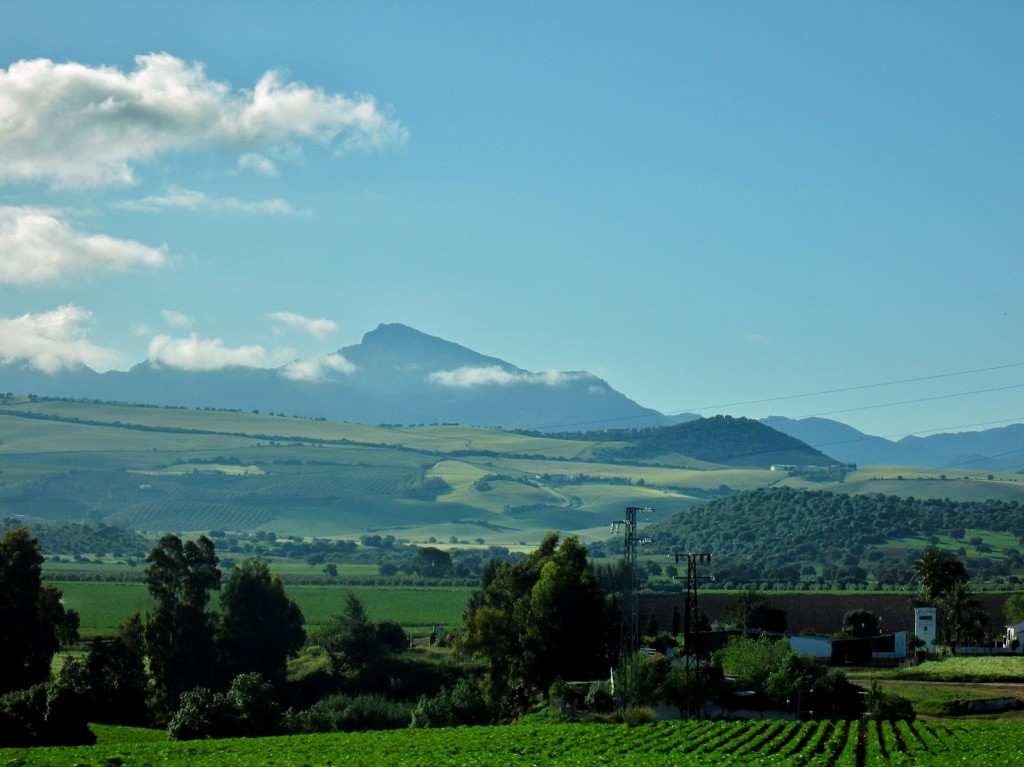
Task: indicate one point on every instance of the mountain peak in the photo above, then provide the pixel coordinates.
(393, 347)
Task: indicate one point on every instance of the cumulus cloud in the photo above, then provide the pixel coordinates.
(318, 328)
(495, 375)
(176, 319)
(203, 354)
(317, 368)
(79, 126)
(190, 199)
(52, 341)
(37, 246)
(257, 163)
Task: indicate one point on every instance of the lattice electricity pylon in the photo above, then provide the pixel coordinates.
(691, 616)
(629, 628)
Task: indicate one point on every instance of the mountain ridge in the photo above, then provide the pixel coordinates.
(397, 374)
(996, 449)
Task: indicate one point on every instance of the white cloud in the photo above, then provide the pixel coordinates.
(756, 338)
(318, 328)
(38, 246)
(257, 163)
(317, 368)
(190, 199)
(495, 375)
(197, 354)
(52, 341)
(79, 126)
(176, 319)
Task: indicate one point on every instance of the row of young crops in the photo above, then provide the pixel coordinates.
(668, 743)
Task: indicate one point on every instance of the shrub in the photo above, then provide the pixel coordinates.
(247, 710)
(887, 706)
(600, 698)
(343, 713)
(256, 713)
(462, 705)
(637, 715)
(45, 714)
(202, 713)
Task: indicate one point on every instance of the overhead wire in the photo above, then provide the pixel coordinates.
(823, 392)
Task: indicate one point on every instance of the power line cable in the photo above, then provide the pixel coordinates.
(913, 401)
(813, 394)
(849, 388)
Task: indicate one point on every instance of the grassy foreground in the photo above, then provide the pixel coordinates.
(667, 743)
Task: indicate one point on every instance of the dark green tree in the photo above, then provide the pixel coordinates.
(33, 622)
(355, 644)
(860, 623)
(260, 627)
(1013, 609)
(179, 630)
(431, 562)
(944, 583)
(754, 610)
(962, 617)
(112, 677)
(936, 571)
(539, 619)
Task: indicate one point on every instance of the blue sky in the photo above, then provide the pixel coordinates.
(714, 206)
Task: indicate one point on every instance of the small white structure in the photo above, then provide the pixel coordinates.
(816, 647)
(899, 648)
(924, 625)
(1015, 633)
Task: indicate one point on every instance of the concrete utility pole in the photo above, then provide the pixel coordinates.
(629, 628)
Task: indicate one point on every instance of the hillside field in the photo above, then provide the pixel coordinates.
(180, 470)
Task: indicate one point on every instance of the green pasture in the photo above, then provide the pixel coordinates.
(966, 669)
(959, 485)
(996, 540)
(936, 700)
(102, 606)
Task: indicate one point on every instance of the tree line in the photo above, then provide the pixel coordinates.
(140, 674)
(543, 627)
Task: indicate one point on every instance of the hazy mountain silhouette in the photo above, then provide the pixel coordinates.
(395, 375)
(1000, 449)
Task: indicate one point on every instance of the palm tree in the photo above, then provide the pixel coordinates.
(963, 618)
(937, 571)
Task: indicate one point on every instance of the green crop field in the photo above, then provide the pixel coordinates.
(835, 744)
(102, 606)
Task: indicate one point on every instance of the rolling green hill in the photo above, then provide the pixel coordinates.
(785, 536)
(157, 469)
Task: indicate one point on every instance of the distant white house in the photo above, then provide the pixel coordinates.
(1015, 633)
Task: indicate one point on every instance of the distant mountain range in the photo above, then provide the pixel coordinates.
(999, 449)
(396, 375)
(399, 375)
